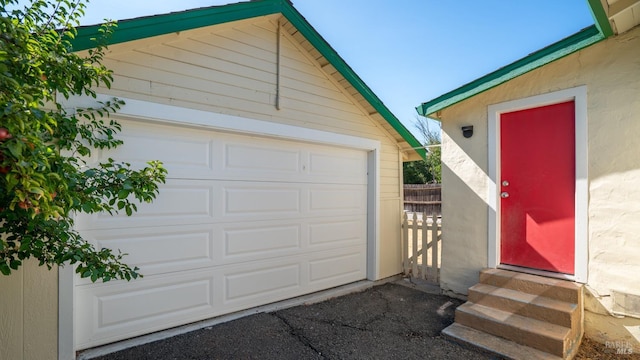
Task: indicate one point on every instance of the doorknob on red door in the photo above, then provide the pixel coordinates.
(504, 194)
(505, 183)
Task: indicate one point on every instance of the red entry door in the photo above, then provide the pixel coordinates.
(537, 188)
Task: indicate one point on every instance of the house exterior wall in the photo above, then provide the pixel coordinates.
(611, 72)
(29, 313)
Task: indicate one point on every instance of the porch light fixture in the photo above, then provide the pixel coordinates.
(467, 131)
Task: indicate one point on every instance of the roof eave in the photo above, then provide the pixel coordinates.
(600, 17)
(145, 27)
(553, 52)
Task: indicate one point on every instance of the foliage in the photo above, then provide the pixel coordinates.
(44, 175)
(429, 170)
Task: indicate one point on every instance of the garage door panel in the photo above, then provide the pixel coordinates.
(351, 165)
(179, 202)
(262, 282)
(266, 161)
(260, 240)
(117, 310)
(343, 199)
(337, 269)
(337, 232)
(158, 250)
(183, 151)
(262, 198)
(146, 303)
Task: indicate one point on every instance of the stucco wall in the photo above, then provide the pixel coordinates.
(611, 72)
(29, 313)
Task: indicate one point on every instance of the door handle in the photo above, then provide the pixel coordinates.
(505, 183)
(504, 194)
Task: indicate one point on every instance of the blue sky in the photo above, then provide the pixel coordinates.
(411, 51)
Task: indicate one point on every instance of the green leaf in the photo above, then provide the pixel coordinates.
(36, 190)
(15, 148)
(4, 268)
(15, 264)
(122, 194)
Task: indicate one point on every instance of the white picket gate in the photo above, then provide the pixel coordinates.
(421, 246)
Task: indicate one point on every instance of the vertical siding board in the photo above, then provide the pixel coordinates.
(41, 312)
(12, 315)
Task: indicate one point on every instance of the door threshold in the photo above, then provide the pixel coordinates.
(544, 273)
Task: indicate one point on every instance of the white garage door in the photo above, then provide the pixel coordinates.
(242, 221)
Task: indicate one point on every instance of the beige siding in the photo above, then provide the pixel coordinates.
(29, 313)
(231, 69)
(611, 72)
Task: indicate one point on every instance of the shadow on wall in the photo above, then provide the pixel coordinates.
(464, 233)
(464, 200)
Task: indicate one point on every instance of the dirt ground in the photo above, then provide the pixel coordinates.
(591, 350)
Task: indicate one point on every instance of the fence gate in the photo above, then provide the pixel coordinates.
(421, 245)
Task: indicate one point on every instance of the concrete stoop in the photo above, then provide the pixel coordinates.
(521, 316)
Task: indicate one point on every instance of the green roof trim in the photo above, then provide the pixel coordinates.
(562, 48)
(587, 37)
(155, 25)
(600, 17)
(145, 27)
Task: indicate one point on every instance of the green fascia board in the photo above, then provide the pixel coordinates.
(145, 27)
(600, 17)
(149, 26)
(553, 52)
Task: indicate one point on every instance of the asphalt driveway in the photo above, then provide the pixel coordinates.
(388, 321)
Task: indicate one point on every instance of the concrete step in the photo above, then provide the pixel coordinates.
(533, 306)
(493, 344)
(536, 285)
(551, 338)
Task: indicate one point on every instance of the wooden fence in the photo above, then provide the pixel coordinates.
(423, 198)
(421, 246)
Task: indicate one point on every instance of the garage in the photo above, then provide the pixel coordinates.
(285, 178)
(242, 221)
